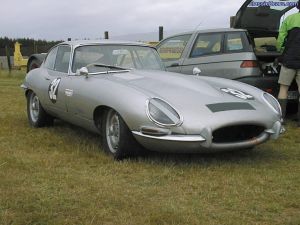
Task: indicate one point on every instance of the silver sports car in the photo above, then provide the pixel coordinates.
(121, 91)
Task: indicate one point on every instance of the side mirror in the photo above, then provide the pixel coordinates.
(83, 71)
(196, 71)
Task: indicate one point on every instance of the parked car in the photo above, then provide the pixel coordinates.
(246, 53)
(119, 90)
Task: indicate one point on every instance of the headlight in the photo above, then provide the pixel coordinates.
(273, 103)
(161, 113)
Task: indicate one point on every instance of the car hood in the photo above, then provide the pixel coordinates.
(261, 21)
(199, 100)
(184, 91)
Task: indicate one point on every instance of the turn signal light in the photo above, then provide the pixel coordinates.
(249, 64)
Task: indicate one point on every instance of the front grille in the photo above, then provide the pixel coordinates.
(238, 133)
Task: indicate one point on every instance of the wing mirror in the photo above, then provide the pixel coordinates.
(196, 71)
(83, 71)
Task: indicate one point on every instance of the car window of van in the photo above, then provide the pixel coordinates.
(50, 60)
(207, 44)
(234, 42)
(172, 48)
(62, 59)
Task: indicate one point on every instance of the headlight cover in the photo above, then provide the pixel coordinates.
(162, 114)
(272, 102)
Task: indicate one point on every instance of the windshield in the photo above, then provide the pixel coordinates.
(116, 56)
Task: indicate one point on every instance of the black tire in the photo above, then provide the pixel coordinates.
(36, 114)
(124, 144)
(34, 63)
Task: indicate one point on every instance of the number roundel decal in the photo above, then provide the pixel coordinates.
(237, 93)
(53, 90)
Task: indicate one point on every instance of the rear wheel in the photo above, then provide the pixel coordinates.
(117, 139)
(37, 116)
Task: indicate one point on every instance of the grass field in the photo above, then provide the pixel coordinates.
(59, 175)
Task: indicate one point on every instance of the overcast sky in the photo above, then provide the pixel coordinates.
(60, 19)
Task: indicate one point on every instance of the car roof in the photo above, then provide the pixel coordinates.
(103, 42)
(217, 30)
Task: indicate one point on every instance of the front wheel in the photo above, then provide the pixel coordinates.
(37, 116)
(117, 139)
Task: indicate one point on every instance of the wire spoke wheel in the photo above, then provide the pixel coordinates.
(112, 127)
(117, 138)
(36, 114)
(34, 107)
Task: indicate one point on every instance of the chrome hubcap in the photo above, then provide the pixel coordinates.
(34, 107)
(113, 131)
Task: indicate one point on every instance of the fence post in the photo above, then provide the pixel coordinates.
(8, 57)
(106, 35)
(35, 47)
(160, 33)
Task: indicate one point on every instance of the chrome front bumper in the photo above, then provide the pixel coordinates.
(202, 142)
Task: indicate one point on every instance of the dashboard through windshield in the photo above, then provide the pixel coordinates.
(123, 56)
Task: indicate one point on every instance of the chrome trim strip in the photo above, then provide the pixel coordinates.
(180, 138)
(110, 71)
(244, 144)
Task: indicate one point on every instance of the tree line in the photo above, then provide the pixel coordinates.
(26, 42)
(28, 45)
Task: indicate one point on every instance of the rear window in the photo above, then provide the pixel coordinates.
(266, 44)
(234, 42)
(172, 48)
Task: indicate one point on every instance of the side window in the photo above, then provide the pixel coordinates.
(207, 44)
(234, 42)
(62, 59)
(172, 48)
(50, 60)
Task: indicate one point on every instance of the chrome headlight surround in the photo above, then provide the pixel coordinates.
(272, 103)
(169, 116)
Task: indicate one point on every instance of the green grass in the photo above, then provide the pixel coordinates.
(59, 175)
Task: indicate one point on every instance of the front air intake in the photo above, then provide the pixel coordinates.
(238, 133)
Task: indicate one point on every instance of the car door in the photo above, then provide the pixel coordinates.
(57, 80)
(206, 54)
(262, 17)
(82, 89)
(171, 51)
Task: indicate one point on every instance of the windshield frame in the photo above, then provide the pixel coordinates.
(72, 73)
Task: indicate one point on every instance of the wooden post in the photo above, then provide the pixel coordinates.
(160, 33)
(8, 57)
(35, 47)
(106, 35)
(232, 21)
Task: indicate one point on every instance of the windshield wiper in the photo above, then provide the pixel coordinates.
(106, 66)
